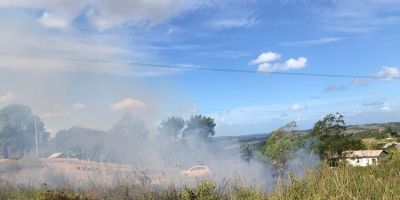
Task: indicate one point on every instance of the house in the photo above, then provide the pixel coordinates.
(364, 158)
(57, 155)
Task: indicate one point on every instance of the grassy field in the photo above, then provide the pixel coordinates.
(344, 182)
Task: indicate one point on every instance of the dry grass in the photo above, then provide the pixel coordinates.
(344, 182)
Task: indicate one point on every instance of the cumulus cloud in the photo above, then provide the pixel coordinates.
(128, 103)
(266, 57)
(56, 111)
(8, 96)
(78, 106)
(335, 87)
(298, 107)
(389, 72)
(386, 107)
(290, 64)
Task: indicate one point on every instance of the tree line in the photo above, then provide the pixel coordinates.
(17, 130)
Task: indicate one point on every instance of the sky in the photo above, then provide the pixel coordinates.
(83, 62)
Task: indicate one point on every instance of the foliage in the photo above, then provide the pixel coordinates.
(246, 152)
(203, 191)
(346, 182)
(171, 127)
(282, 143)
(389, 131)
(80, 142)
(129, 126)
(330, 126)
(17, 127)
(199, 126)
(332, 140)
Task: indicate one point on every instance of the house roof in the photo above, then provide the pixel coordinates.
(389, 144)
(364, 153)
(56, 155)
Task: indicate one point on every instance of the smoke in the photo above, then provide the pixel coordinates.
(135, 158)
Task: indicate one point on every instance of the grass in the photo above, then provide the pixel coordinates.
(344, 182)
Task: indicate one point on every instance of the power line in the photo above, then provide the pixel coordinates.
(211, 69)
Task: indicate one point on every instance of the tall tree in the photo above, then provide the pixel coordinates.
(17, 127)
(80, 142)
(199, 126)
(246, 152)
(331, 138)
(130, 126)
(171, 127)
(280, 146)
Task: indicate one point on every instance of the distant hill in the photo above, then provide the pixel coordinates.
(260, 137)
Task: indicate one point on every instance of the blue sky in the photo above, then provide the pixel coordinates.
(76, 62)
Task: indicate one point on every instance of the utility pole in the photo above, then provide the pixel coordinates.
(36, 139)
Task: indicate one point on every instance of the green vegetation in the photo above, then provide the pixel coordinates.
(17, 128)
(346, 182)
(332, 140)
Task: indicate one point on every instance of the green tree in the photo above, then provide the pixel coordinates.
(281, 144)
(129, 126)
(330, 126)
(171, 127)
(199, 126)
(331, 138)
(246, 152)
(17, 127)
(388, 130)
(80, 142)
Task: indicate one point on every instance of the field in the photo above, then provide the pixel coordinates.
(343, 182)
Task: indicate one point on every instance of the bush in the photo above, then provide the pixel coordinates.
(203, 191)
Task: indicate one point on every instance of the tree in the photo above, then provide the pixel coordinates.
(128, 126)
(17, 127)
(330, 126)
(171, 127)
(246, 152)
(281, 143)
(280, 146)
(389, 131)
(199, 126)
(80, 142)
(331, 138)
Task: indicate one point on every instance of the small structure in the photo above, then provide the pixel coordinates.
(363, 158)
(57, 155)
(391, 144)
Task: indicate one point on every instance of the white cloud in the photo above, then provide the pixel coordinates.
(335, 87)
(298, 107)
(103, 14)
(232, 23)
(290, 64)
(266, 57)
(78, 106)
(389, 72)
(128, 103)
(56, 111)
(318, 41)
(386, 107)
(52, 22)
(8, 96)
(360, 81)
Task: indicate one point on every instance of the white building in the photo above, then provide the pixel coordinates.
(364, 158)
